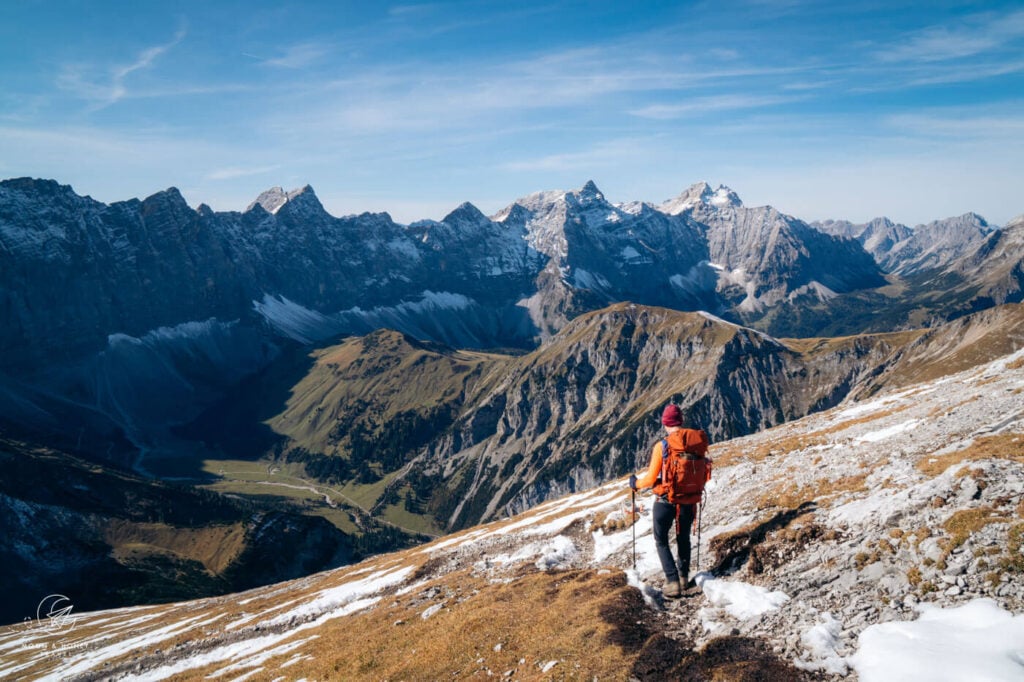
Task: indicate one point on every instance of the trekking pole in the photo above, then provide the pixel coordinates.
(700, 521)
(632, 515)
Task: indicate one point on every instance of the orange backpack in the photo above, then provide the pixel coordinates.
(684, 472)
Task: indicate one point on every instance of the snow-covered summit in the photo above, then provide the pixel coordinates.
(701, 193)
(273, 199)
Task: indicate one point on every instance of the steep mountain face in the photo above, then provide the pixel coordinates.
(906, 251)
(877, 537)
(992, 271)
(936, 245)
(584, 406)
(599, 254)
(76, 271)
(766, 257)
(878, 237)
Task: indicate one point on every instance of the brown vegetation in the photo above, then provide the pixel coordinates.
(1000, 446)
(821, 491)
(214, 547)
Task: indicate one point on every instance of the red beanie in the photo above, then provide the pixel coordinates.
(672, 416)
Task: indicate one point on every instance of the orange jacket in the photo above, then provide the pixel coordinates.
(654, 470)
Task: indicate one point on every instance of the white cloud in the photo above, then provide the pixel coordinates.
(232, 172)
(963, 125)
(597, 157)
(110, 87)
(976, 35)
(300, 56)
(702, 105)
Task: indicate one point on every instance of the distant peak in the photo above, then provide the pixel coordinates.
(698, 194)
(465, 212)
(273, 199)
(170, 195)
(591, 189)
(270, 200)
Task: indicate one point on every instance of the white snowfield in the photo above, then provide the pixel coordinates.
(828, 607)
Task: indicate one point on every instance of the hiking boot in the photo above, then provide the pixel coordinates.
(672, 589)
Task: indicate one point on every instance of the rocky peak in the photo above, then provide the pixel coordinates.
(269, 200)
(701, 194)
(169, 198)
(514, 215)
(37, 186)
(590, 192)
(302, 200)
(466, 215)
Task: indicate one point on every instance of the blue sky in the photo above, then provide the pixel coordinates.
(824, 110)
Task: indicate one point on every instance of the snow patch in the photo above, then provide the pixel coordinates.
(740, 600)
(331, 601)
(293, 320)
(559, 552)
(886, 433)
(977, 641)
(430, 611)
(821, 642)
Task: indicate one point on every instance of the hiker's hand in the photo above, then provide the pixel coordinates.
(632, 482)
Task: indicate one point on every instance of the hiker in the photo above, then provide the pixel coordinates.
(678, 489)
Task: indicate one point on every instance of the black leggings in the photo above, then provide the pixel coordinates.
(664, 516)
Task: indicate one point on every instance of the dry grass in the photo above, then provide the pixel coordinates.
(1001, 446)
(1014, 560)
(821, 491)
(585, 620)
(1016, 364)
(966, 522)
(214, 547)
(914, 576)
(786, 443)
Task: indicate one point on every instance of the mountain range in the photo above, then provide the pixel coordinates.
(402, 381)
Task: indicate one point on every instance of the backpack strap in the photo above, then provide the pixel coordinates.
(664, 459)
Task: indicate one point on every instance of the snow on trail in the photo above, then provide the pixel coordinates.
(821, 642)
(740, 600)
(889, 432)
